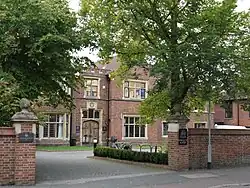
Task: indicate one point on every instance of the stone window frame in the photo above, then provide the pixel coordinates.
(162, 129)
(201, 122)
(98, 87)
(133, 138)
(135, 81)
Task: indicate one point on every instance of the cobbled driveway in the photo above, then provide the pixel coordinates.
(63, 166)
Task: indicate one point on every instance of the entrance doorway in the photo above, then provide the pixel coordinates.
(90, 130)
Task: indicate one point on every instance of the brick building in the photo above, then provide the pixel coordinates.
(232, 114)
(105, 108)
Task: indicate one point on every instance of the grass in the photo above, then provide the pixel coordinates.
(64, 148)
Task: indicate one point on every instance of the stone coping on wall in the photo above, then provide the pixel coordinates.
(7, 131)
(193, 131)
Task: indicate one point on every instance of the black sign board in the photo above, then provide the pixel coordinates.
(183, 135)
(26, 137)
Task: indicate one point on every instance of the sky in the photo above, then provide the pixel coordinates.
(74, 4)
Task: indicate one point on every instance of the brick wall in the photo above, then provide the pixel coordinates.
(17, 160)
(229, 148)
(7, 160)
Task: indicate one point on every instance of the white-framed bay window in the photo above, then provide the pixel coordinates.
(132, 128)
(56, 126)
(135, 89)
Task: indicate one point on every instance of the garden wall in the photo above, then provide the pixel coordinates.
(229, 147)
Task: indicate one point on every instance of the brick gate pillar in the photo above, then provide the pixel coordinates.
(24, 123)
(178, 155)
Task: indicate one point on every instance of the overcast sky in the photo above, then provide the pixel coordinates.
(74, 4)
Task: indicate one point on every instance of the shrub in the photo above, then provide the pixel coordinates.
(146, 157)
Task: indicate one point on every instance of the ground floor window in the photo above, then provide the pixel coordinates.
(133, 128)
(56, 126)
(200, 125)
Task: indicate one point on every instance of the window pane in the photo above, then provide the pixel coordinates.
(131, 131)
(52, 130)
(143, 130)
(137, 131)
(126, 84)
(143, 85)
(131, 93)
(137, 120)
(88, 82)
(85, 114)
(45, 131)
(131, 84)
(52, 118)
(91, 113)
(94, 94)
(126, 93)
(95, 82)
(131, 120)
(143, 93)
(94, 88)
(138, 93)
(126, 130)
(97, 114)
(126, 120)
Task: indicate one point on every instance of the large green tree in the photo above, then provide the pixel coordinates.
(38, 43)
(194, 49)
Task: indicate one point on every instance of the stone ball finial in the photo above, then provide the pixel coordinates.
(24, 103)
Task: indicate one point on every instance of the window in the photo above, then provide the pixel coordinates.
(91, 113)
(91, 87)
(53, 128)
(133, 129)
(134, 90)
(229, 109)
(199, 125)
(164, 129)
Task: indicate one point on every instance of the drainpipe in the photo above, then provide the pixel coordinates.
(238, 113)
(70, 128)
(108, 111)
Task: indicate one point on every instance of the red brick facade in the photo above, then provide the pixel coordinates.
(113, 107)
(239, 115)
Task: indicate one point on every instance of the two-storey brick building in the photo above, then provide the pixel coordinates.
(232, 114)
(105, 108)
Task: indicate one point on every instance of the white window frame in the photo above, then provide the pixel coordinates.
(98, 87)
(162, 128)
(133, 138)
(202, 123)
(41, 134)
(138, 81)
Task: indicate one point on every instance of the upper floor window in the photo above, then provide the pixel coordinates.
(164, 129)
(91, 87)
(229, 109)
(134, 90)
(91, 113)
(200, 125)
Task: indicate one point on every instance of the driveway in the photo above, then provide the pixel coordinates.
(63, 167)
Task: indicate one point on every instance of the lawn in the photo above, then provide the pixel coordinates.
(64, 148)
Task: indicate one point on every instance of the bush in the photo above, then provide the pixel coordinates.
(146, 157)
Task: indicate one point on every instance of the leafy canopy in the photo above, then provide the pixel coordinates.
(38, 40)
(194, 49)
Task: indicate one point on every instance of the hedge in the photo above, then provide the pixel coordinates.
(146, 157)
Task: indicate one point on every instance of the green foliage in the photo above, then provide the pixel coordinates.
(38, 43)
(146, 157)
(194, 49)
